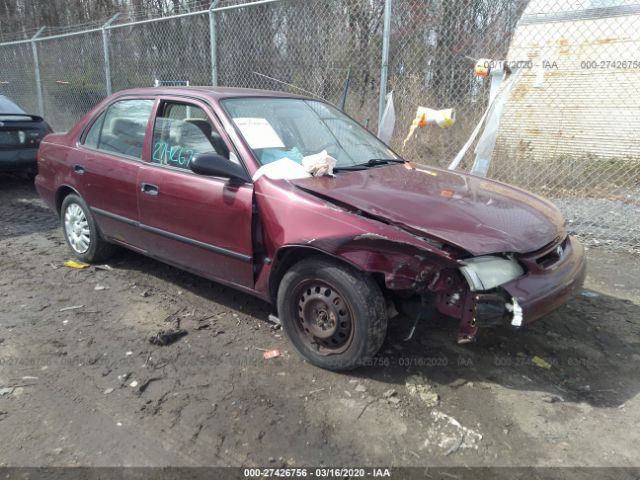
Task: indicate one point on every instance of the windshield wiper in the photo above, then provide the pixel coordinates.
(381, 161)
(373, 162)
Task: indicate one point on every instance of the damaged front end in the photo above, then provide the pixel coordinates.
(490, 304)
(421, 273)
(473, 294)
(417, 280)
(450, 295)
(506, 289)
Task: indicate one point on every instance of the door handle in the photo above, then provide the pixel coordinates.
(149, 189)
(79, 169)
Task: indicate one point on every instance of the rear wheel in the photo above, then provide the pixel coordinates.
(334, 315)
(81, 232)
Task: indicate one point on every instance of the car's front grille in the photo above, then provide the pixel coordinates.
(548, 256)
(553, 256)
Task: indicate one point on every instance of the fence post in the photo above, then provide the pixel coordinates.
(384, 67)
(213, 43)
(36, 63)
(105, 53)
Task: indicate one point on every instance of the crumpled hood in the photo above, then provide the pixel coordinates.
(478, 215)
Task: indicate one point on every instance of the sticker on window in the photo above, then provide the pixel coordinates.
(176, 155)
(258, 133)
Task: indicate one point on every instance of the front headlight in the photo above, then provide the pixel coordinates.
(485, 273)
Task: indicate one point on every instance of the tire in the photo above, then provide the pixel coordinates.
(81, 232)
(333, 314)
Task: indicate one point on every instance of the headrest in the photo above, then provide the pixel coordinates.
(202, 124)
(124, 126)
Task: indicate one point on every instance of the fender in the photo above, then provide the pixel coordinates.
(405, 261)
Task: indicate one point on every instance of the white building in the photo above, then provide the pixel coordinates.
(588, 103)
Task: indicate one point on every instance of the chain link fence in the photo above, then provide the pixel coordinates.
(17, 75)
(567, 127)
(72, 77)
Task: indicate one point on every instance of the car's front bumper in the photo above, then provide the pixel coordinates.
(18, 159)
(545, 288)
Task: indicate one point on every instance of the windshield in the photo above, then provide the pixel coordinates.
(277, 128)
(7, 106)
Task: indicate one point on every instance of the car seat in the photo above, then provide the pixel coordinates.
(214, 137)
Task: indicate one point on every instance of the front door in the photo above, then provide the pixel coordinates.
(200, 223)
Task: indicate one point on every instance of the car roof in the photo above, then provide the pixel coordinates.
(217, 93)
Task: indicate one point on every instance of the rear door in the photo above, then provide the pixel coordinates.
(108, 170)
(200, 223)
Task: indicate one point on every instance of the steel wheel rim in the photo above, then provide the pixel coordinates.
(323, 319)
(76, 228)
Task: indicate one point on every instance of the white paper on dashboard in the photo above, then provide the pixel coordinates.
(258, 132)
(285, 168)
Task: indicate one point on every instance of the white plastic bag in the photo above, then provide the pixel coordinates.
(319, 164)
(388, 122)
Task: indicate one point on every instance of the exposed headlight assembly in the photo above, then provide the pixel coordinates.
(485, 273)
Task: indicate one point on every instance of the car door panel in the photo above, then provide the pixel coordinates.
(200, 223)
(111, 191)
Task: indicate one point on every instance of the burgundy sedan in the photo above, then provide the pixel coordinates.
(218, 182)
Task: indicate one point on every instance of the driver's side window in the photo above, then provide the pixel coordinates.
(180, 132)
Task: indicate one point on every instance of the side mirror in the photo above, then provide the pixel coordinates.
(215, 165)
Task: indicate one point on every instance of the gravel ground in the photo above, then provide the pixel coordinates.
(601, 222)
(80, 383)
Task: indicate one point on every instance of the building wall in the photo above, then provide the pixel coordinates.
(589, 103)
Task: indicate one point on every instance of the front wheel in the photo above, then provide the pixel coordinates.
(333, 314)
(81, 232)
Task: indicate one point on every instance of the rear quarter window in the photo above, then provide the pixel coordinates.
(93, 136)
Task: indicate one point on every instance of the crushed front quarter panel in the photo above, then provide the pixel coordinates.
(296, 216)
(291, 217)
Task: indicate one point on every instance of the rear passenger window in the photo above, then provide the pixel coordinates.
(122, 129)
(182, 131)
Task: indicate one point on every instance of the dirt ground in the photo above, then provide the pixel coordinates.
(84, 386)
